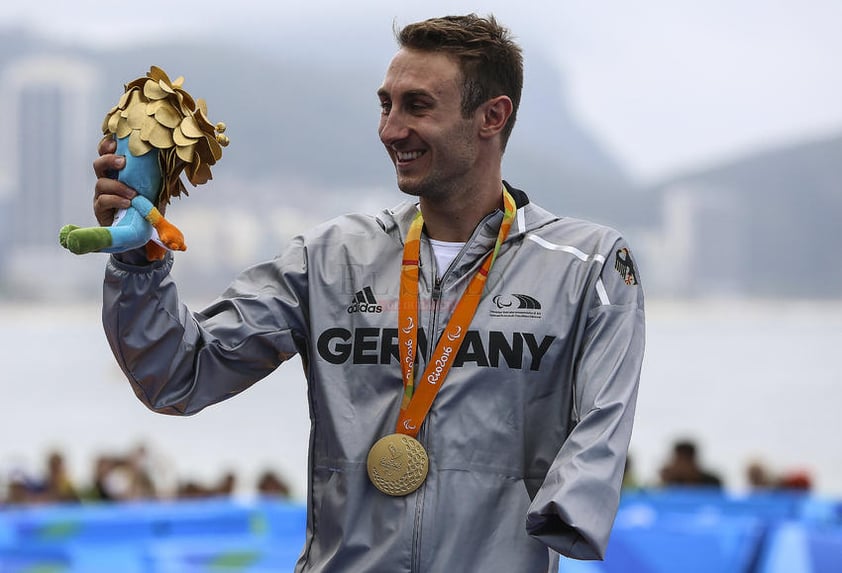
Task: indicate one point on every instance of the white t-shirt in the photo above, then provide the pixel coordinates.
(445, 253)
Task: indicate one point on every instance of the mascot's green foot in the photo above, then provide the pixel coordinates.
(62, 235)
(87, 240)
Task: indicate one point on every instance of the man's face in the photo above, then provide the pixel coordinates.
(432, 146)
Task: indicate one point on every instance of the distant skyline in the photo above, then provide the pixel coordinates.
(665, 85)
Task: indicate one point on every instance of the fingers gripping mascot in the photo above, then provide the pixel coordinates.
(161, 131)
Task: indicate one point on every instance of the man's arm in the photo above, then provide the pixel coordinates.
(180, 362)
(573, 511)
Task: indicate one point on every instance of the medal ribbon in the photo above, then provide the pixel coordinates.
(417, 403)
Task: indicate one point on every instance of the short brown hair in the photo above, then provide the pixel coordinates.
(490, 60)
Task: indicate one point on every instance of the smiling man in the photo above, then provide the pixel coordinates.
(472, 360)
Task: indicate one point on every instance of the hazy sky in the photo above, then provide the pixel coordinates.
(664, 84)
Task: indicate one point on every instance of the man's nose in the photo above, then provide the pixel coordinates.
(393, 128)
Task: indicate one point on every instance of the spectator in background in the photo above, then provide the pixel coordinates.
(271, 484)
(58, 486)
(104, 486)
(140, 468)
(19, 489)
(227, 484)
(683, 468)
(55, 486)
(796, 480)
(192, 489)
(758, 476)
(123, 477)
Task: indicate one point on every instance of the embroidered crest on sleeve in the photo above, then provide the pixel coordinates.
(625, 266)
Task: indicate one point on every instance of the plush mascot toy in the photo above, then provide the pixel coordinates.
(162, 131)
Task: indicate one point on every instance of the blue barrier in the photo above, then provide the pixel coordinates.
(243, 555)
(60, 524)
(655, 532)
(649, 542)
(769, 506)
(702, 531)
(219, 535)
(28, 559)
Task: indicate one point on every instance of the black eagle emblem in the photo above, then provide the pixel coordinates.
(625, 266)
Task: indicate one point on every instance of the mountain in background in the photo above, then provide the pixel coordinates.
(768, 224)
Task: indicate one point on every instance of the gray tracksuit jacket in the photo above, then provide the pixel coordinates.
(527, 437)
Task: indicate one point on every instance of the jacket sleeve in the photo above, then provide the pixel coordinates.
(179, 362)
(574, 509)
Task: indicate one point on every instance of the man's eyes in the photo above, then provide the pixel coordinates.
(411, 107)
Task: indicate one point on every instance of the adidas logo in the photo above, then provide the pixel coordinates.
(364, 301)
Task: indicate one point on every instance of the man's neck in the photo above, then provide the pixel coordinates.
(455, 225)
(455, 218)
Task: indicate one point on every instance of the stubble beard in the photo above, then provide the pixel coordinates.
(436, 186)
(426, 188)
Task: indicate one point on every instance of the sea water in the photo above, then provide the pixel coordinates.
(746, 380)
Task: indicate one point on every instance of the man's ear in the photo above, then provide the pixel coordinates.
(495, 114)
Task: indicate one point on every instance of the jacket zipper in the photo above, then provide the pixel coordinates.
(435, 298)
(419, 502)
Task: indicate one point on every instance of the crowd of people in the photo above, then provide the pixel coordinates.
(684, 467)
(132, 476)
(129, 476)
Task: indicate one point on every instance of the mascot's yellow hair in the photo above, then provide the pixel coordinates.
(156, 113)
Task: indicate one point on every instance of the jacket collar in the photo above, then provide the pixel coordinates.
(396, 221)
(529, 216)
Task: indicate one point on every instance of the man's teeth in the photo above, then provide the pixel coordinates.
(409, 155)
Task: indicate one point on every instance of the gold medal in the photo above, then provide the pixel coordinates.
(397, 464)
